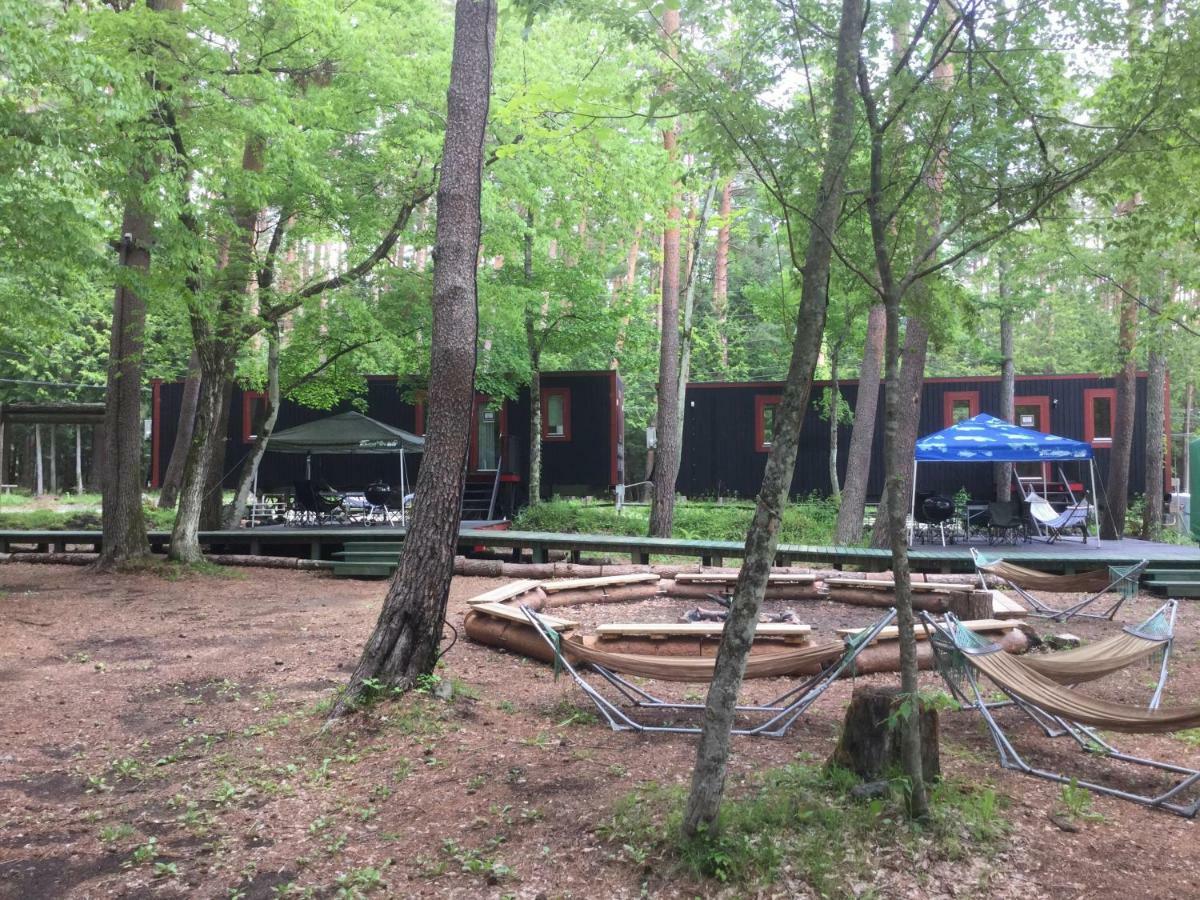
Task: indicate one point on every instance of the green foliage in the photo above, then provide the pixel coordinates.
(806, 522)
(802, 816)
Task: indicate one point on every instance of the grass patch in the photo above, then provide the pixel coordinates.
(803, 817)
(810, 521)
(86, 518)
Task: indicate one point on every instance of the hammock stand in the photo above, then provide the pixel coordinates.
(1122, 579)
(961, 657)
(781, 712)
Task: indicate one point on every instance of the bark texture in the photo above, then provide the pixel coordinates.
(534, 347)
(720, 299)
(1008, 389)
(907, 382)
(666, 455)
(122, 520)
(405, 641)
(869, 745)
(264, 425)
(689, 304)
(862, 436)
(168, 494)
(712, 752)
(1156, 399)
(1112, 525)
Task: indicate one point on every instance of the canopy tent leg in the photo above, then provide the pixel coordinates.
(912, 504)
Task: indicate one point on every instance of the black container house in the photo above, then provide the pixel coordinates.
(727, 432)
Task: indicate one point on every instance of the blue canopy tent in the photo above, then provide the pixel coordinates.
(986, 439)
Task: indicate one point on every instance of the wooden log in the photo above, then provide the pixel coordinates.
(921, 631)
(869, 744)
(938, 603)
(691, 629)
(505, 635)
(61, 559)
(701, 591)
(622, 594)
(571, 584)
(972, 605)
(885, 657)
(269, 562)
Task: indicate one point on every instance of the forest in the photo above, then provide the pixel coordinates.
(289, 197)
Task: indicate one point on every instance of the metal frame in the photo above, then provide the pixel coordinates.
(1087, 738)
(1041, 610)
(784, 709)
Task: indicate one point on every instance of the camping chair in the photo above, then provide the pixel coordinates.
(1005, 521)
(1096, 582)
(314, 506)
(962, 656)
(835, 658)
(1051, 524)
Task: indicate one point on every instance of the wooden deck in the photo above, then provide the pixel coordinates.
(380, 545)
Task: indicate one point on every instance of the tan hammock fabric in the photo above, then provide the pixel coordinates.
(1095, 660)
(1014, 676)
(1033, 580)
(700, 669)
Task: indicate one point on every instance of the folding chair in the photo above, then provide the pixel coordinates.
(1095, 582)
(962, 657)
(780, 713)
(1051, 524)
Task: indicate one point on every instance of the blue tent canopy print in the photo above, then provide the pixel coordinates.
(987, 439)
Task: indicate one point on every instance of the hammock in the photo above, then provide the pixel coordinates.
(1114, 653)
(780, 713)
(1093, 582)
(1042, 699)
(700, 668)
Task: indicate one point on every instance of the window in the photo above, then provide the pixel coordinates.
(556, 414)
(1099, 416)
(253, 402)
(959, 405)
(764, 421)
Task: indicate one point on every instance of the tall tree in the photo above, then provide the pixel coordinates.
(405, 641)
(667, 451)
(122, 520)
(762, 538)
(862, 436)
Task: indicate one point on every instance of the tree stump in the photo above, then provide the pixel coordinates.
(971, 605)
(870, 741)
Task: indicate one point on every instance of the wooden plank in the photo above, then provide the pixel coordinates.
(731, 577)
(672, 629)
(880, 585)
(513, 614)
(573, 584)
(983, 626)
(1004, 606)
(504, 592)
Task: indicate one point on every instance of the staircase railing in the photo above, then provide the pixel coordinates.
(495, 489)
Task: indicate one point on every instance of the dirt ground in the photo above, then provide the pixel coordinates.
(162, 738)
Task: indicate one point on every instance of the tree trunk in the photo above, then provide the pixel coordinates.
(38, 464)
(1112, 526)
(1008, 388)
(264, 425)
(54, 461)
(185, 535)
(1156, 399)
(168, 494)
(835, 405)
(720, 300)
(862, 436)
(1189, 399)
(122, 520)
(78, 458)
(762, 538)
(212, 507)
(689, 302)
(533, 347)
(405, 640)
(908, 384)
(870, 742)
(666, 457)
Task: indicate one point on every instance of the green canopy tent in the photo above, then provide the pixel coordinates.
(348, 432)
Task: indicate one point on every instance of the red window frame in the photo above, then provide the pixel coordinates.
(1090, 395)
(565, 394)
(249, 399)
(1043, 405)
(951, 397)
(761, 402)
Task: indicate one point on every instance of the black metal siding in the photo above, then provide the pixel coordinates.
(719, 456)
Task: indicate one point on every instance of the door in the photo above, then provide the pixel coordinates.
(1033, 413)
(487, 437)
